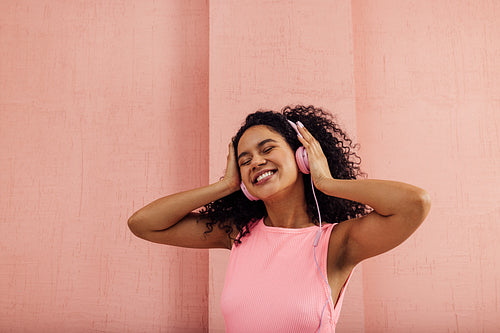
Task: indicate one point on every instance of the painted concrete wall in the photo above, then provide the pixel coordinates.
(428, 112)
(103, 108)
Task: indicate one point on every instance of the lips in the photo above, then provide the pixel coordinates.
(262, 176)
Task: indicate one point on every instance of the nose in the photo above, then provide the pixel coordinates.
(258, 160)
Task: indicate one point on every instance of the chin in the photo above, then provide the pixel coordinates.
(273, 196)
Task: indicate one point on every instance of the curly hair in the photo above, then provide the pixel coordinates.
(236, 211)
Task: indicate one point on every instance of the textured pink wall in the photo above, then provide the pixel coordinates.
(103, 108)
(427, 98)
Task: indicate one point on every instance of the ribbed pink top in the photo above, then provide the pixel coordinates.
(273, 284)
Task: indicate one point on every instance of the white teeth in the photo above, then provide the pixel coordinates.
(264, 175)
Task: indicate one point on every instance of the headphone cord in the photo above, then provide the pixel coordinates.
(316, 241)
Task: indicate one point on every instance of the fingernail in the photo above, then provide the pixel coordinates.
(300, 124)
(299, 135)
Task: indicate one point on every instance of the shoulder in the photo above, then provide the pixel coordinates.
(242, 235)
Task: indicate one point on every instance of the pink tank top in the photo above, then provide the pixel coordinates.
(273, 284)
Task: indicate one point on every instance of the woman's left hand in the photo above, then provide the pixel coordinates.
(318, 164)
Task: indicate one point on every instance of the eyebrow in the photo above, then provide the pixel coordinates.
(260, 144)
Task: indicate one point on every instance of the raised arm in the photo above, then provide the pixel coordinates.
(399, 208)
(171, 220)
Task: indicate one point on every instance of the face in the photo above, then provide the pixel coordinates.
(267, 163)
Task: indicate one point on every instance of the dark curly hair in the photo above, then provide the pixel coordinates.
(236, 211)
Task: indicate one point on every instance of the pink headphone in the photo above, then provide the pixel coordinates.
(300, 157)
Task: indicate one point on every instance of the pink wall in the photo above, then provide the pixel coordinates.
(103, 109)
(108, 105)
(428, 112)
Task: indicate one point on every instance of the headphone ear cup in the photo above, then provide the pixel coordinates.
(302, 160)
(246, 193)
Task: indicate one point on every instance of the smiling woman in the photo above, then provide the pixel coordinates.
(287, 271)
(338, 149)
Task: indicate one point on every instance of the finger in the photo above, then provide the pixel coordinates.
(301, 139)
(304, 141)
(308, 139)
(304, 131)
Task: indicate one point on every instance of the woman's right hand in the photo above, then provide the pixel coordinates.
(232, 176)
(173, 220)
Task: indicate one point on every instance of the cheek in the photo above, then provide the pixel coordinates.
(244, 172)
(290, 163)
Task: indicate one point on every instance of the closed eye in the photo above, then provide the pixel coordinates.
(266, 150)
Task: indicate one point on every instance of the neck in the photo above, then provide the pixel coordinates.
(288, 210)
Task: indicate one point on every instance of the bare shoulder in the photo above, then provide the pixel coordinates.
(191, 232)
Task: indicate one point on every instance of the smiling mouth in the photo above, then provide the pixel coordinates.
(261, 178)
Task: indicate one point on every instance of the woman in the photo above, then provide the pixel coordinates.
(287, 270)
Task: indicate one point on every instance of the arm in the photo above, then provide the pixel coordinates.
(399, 208)
(171, 220)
